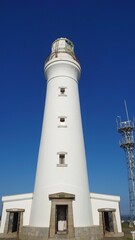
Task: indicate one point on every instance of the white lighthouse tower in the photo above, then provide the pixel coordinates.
(61, 207)
(61, 202)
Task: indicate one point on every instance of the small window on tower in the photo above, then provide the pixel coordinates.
(62, 91)
(62, 159)
(62, 121)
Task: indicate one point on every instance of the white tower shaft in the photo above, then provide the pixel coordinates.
(61, 162)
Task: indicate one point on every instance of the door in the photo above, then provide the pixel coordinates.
(61, 218)
(108, 222)
(14, 222)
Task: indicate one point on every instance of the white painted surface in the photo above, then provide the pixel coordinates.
(61, 71)
(100, 201)
(22, 201)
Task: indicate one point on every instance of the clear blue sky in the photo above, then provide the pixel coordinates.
(104, 36)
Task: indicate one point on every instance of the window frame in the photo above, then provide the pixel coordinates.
(62, 124)
(62, 160)
(63, 93)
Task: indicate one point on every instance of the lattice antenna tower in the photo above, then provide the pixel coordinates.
(126, 129)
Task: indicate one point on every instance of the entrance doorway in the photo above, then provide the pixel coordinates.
(108, 222)
(61, 215)
(61, 218)
(14, 222)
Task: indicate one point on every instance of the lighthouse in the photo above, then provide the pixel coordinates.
(61, 200)
(61, 206)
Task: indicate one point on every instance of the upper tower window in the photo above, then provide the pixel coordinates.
(62, 159)
(62, 91)
(62, 121)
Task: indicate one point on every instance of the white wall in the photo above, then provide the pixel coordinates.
(22, 201)
(62, 71)
(99, 201)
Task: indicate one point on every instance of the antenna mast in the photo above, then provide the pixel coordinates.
(126, 129)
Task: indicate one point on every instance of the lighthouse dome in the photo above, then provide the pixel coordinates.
(62, 49)
(62, 45)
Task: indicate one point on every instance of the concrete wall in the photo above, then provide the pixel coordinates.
(102, 201)
(22, 201)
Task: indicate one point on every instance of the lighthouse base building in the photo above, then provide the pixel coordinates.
(61, 206)
(105, 212)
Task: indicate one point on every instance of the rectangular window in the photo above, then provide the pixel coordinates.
(62, 121)
(62, 91)
(62, 159)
